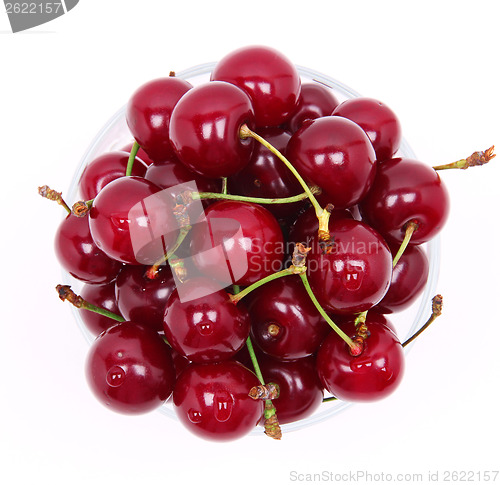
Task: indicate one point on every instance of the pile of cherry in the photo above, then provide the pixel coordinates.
(240, 256)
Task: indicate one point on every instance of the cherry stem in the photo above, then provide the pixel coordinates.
(131, 158)
(360, 319)
(255, 200)
(355, 347)
(328, 399)
(224, 185)
(152, 271)
(437, 309)
(48, 193)
(474, 160)
(67, 294)
(411, 227)
(82, 208)
(255, 363)
(246, 132)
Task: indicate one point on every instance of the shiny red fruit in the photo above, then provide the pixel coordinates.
(212, 400)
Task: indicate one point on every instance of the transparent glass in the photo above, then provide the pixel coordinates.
(115, 134)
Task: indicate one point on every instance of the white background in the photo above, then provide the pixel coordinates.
(435, 63)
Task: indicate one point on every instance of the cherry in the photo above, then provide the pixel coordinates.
(315, 101)
(102, 296)
(238, 243)
(79, 255)
(205, 129)
(106, 168)
(212, 400)
(337, 155)
(373, 375)
(129, 369)
(301, 391)
(202, 323)
(405, 191)
(355, 272)
(268, 77)
(142, 299)
(131, 226)
(285, 323)
(140, 153)
(409, 277)
(379, 122)
(149, 111)
(267, 176)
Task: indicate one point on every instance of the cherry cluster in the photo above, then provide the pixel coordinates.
(240, 255)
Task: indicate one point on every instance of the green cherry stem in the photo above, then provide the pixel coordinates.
(131, 158)
(224, 185)
(474, 160)
(47, 193)
(437, 309)
(410, 228)
(328, 399)
(67, 294)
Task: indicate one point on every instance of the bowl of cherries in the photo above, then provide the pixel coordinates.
(244, 232)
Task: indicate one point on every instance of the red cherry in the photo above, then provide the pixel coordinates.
(205, 129)
(373, 375)
(268, 77)
(106, 168)
(239, 242)
(202, 323)
(149, 111)
(405, 191)
(131, 226)
(379, 122)
(79, 255)
(356, 273)
(129, 369)
(337, 155)
(212, 400)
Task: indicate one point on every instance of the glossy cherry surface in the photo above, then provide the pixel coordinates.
(379, 122)
(202, 323)
(79, 255)
(212, 400)
(267, 176)
(130, 225)
(356, 273)
(149, 111)
(205, 129)
(337, 155)
(373, 375)
(129, 369)
(406, 190)
(301, 391)
(409, 277)
(285, 323)
(142, 299)
(106, 168)
(315, 101)
(267, 76)
(102, 296)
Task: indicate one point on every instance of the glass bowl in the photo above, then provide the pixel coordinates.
(115, 134)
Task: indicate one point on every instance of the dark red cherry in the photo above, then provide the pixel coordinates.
(267, 176)
(140, 153)
(267, 76)
(102, 296)
(373, 375)
(142, 299)
(149, 111)
(131, 222)
(202, 323)
(301, 391)
(106, 168)
(355, 273)
(379, 122)
(406, 190)
(285, 323)
(409, 277)
(337, 155)
(315, 101)
(238, 243)
(79, 255)
(129, 369)
(205, 129)
(212, 400)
